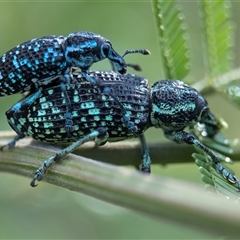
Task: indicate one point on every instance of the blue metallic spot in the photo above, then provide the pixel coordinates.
(23, 61)
(36, 124)
(29, 64)
(96, 118)
(47, 126)
(41, 112)
(11, 75)
(94, 111)
(36, 48)
(109, 118)
(15, 63)
(86, 105)
(83, 119)
(55, 110)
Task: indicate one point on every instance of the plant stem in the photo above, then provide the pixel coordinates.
(158, 197)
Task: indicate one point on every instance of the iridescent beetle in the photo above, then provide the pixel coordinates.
(50, 59)
(167, 104)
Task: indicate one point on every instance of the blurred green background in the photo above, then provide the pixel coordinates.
(49, 212)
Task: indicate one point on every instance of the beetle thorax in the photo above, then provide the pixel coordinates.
(175, 105)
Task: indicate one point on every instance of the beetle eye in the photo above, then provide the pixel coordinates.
(105, 49)
(204, 113)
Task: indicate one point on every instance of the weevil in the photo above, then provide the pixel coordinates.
(167, 104)
(48, 59)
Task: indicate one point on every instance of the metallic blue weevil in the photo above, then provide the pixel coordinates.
(168, 104)
(40, 61)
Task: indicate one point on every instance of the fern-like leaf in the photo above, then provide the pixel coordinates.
(172, 38)
(215, 180)
(217, 33)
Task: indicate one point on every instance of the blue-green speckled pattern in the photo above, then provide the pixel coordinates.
(175, 105)
(41, 60)
(45, 118)
(30, 64)
(167, 104)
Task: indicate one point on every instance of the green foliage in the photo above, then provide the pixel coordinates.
(217, 37)
(172, 38)
(217, 34)
(215, 180)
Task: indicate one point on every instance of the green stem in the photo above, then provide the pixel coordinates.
(158, 197)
